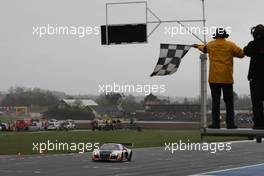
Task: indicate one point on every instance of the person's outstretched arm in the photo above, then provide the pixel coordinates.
(237, 51)
(200, 47)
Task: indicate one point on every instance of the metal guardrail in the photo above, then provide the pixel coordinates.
(240, 132)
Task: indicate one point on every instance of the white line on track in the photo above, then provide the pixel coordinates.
(223, 170)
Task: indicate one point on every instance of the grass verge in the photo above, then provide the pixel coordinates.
(22, 142)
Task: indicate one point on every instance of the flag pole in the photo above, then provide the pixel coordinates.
(203, 58)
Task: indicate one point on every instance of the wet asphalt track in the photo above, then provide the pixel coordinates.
(147, 161)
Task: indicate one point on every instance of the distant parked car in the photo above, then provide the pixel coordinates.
(67, 125)
(22, 124)
(4, 126)
(1, 113)
(53, 125)
(101, 125)
(36, 126)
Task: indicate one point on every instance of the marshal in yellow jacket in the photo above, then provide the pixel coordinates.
(221, 53)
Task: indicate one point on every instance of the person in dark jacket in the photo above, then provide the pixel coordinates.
(255, 50)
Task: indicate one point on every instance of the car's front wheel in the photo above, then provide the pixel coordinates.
(130, 157)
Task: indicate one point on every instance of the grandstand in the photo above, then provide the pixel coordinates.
(170, 112)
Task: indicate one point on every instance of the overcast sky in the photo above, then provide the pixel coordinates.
(78, 65)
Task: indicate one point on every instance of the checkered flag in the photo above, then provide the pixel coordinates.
(170, 59)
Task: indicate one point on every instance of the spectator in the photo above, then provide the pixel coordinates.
(221, 53)
(255, 50)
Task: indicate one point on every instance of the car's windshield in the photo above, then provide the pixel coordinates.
(110, 147)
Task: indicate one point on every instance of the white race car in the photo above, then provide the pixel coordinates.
(112, 152)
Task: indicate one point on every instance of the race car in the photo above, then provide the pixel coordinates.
(112, 152)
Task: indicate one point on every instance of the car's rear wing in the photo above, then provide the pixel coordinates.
(128, 144)
(124, 144)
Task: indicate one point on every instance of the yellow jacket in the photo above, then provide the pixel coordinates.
(221, 53)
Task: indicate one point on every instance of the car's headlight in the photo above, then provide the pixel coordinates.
(95, 152)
